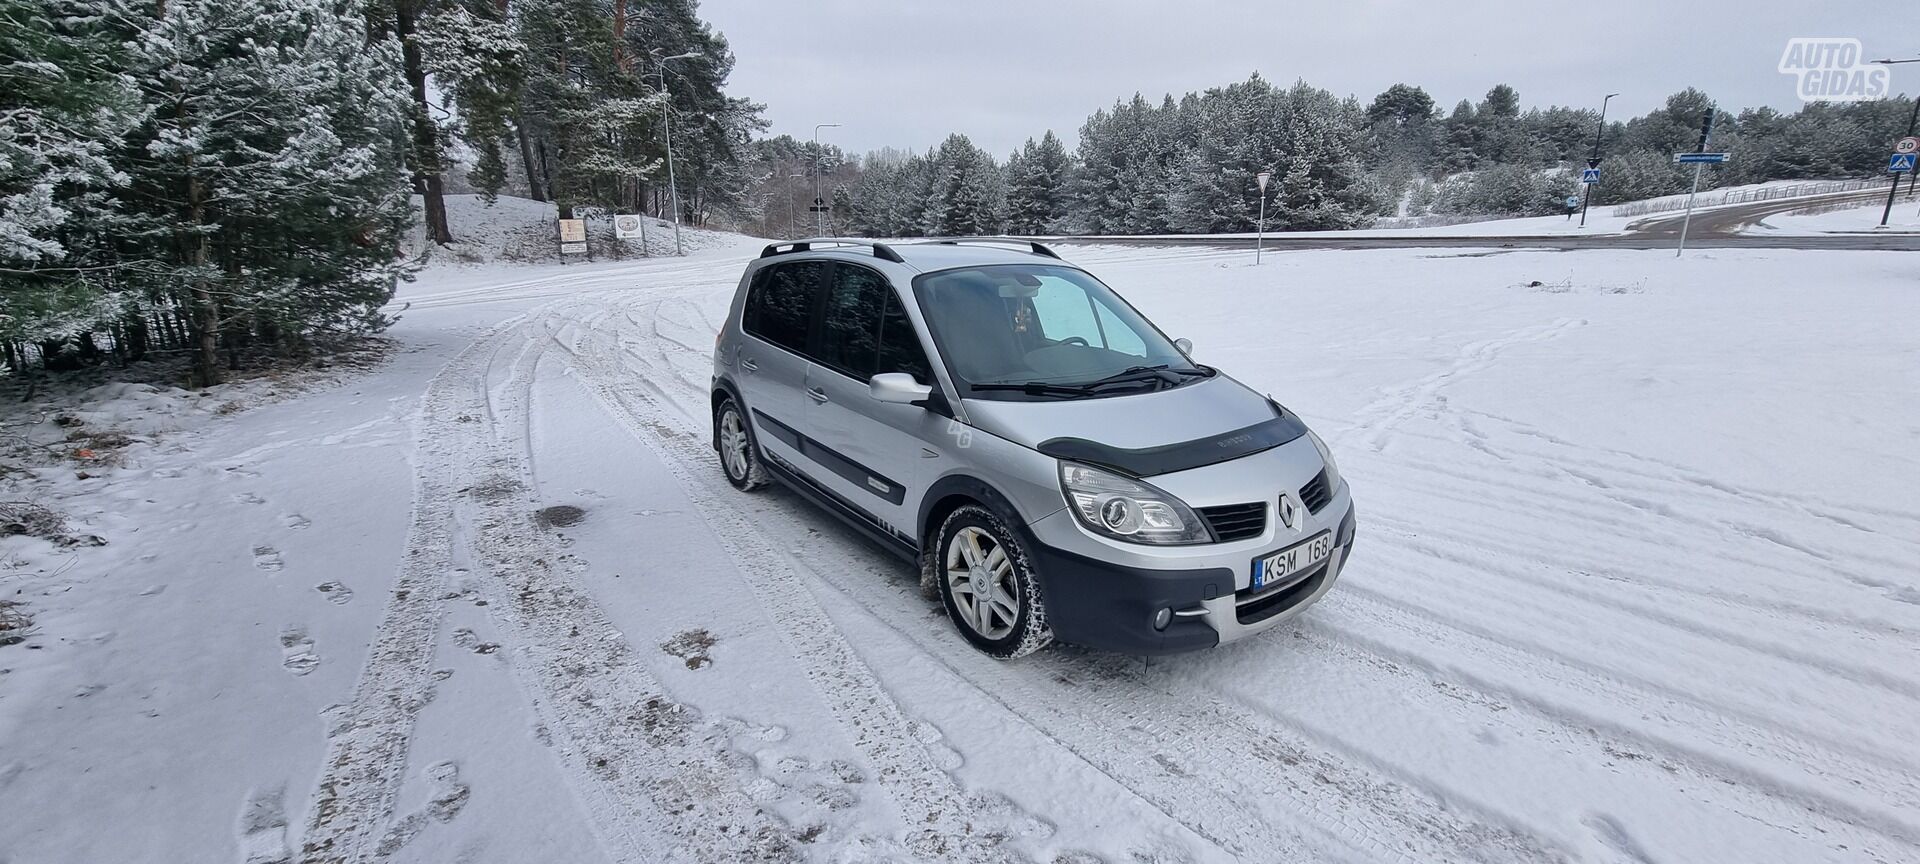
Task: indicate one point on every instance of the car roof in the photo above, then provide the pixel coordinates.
(922, 255)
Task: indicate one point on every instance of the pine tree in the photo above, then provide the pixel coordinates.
(1037, 186)
(270, 178)
(967, 193)
(63, 105)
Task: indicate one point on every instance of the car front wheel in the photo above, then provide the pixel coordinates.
(988, 585)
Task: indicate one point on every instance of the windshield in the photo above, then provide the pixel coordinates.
(1043, 331)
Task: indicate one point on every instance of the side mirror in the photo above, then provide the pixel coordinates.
(1185, 345)
(897, 387)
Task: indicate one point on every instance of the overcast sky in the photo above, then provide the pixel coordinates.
(905, 73)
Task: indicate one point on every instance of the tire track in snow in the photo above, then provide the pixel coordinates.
(1113, 716)
(653, 777)
(1623, 710)
(932, 804)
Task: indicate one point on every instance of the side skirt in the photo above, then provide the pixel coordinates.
(861, 520)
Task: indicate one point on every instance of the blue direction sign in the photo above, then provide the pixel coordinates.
(1900, 162)
(1590, 176)
(1697, 158)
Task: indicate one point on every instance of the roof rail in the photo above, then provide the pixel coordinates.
(1034, 246)
(880, 250)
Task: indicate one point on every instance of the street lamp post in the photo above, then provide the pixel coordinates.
(666, 117)
(1260, 233)
(1593, 160)
(790, 220)
(1915, 115)
(819, 215)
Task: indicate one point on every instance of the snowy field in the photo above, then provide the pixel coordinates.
(1634, 583)
(1863, 219)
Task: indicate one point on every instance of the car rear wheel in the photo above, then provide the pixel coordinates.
(739, 458)
(988, 585)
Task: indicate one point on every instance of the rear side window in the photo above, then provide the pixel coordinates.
(780, 303)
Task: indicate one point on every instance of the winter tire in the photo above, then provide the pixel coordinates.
(987, 584)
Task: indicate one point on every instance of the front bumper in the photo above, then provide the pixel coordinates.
(1111, 606)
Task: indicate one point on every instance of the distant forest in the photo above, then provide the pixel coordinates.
(1187, 165)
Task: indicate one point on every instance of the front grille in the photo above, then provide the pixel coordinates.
(1236, 521)
(1317, 493)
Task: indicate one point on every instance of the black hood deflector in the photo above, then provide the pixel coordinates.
(1185, 455)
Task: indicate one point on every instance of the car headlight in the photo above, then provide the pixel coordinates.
(1114, 506)
(1326, 456)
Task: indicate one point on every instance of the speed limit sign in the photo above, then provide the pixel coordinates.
(1907, 145)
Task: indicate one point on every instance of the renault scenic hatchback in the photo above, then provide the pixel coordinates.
(1057, 467)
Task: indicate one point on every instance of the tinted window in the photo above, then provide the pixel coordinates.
(850, 330)
(780, 303)
(900, 349)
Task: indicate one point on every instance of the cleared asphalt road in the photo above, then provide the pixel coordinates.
(1717, 228)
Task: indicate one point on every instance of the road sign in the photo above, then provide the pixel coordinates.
(818, 209)
(1593, 163)
(1900, 162)
(573, 230)
(1700, 158)
(1573, 201)
(1590, 176)
(573, 248)
(626, 226)
(1907, 145)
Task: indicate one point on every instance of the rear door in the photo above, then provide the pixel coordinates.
(875, 452)
(778, 321)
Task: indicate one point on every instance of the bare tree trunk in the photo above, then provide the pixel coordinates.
(534, 185)
(427, 179)
(620, 36)
(206, 310)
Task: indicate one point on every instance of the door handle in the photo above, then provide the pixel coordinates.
(748, 364)
(816, 394)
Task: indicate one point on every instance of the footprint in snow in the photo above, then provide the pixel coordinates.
(337, 593)
(297, 652)
(267, 558)
(295, 522)
(249, 498)
(263, 829)
(447, 796)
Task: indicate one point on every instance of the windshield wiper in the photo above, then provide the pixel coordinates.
(1037, 388)
(1134, 374)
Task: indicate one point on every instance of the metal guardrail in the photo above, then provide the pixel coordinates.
(1743, 196)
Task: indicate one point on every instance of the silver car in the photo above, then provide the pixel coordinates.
(1057, 467)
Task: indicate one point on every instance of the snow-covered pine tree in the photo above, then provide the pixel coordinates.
(967, 193)
(270, 179)
(476, 58)
(1236, 137)
(1037, 186)
(64, 103)
(1321, 183)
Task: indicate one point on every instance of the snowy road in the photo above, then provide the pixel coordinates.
(1634, 584)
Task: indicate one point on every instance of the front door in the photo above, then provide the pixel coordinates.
(878, 451)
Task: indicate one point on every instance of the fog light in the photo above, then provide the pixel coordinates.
(1162, 618)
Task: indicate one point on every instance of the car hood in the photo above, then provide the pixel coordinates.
(1143, 434)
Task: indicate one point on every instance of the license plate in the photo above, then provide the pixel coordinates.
(1286, 563)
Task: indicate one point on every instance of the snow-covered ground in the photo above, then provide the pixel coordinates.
(1852, 219)
(1634, 583)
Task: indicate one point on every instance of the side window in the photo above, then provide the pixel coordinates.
(850, 330)
(900, 349)
(780, 303)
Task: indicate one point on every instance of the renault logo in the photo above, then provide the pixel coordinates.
(1289, 512)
